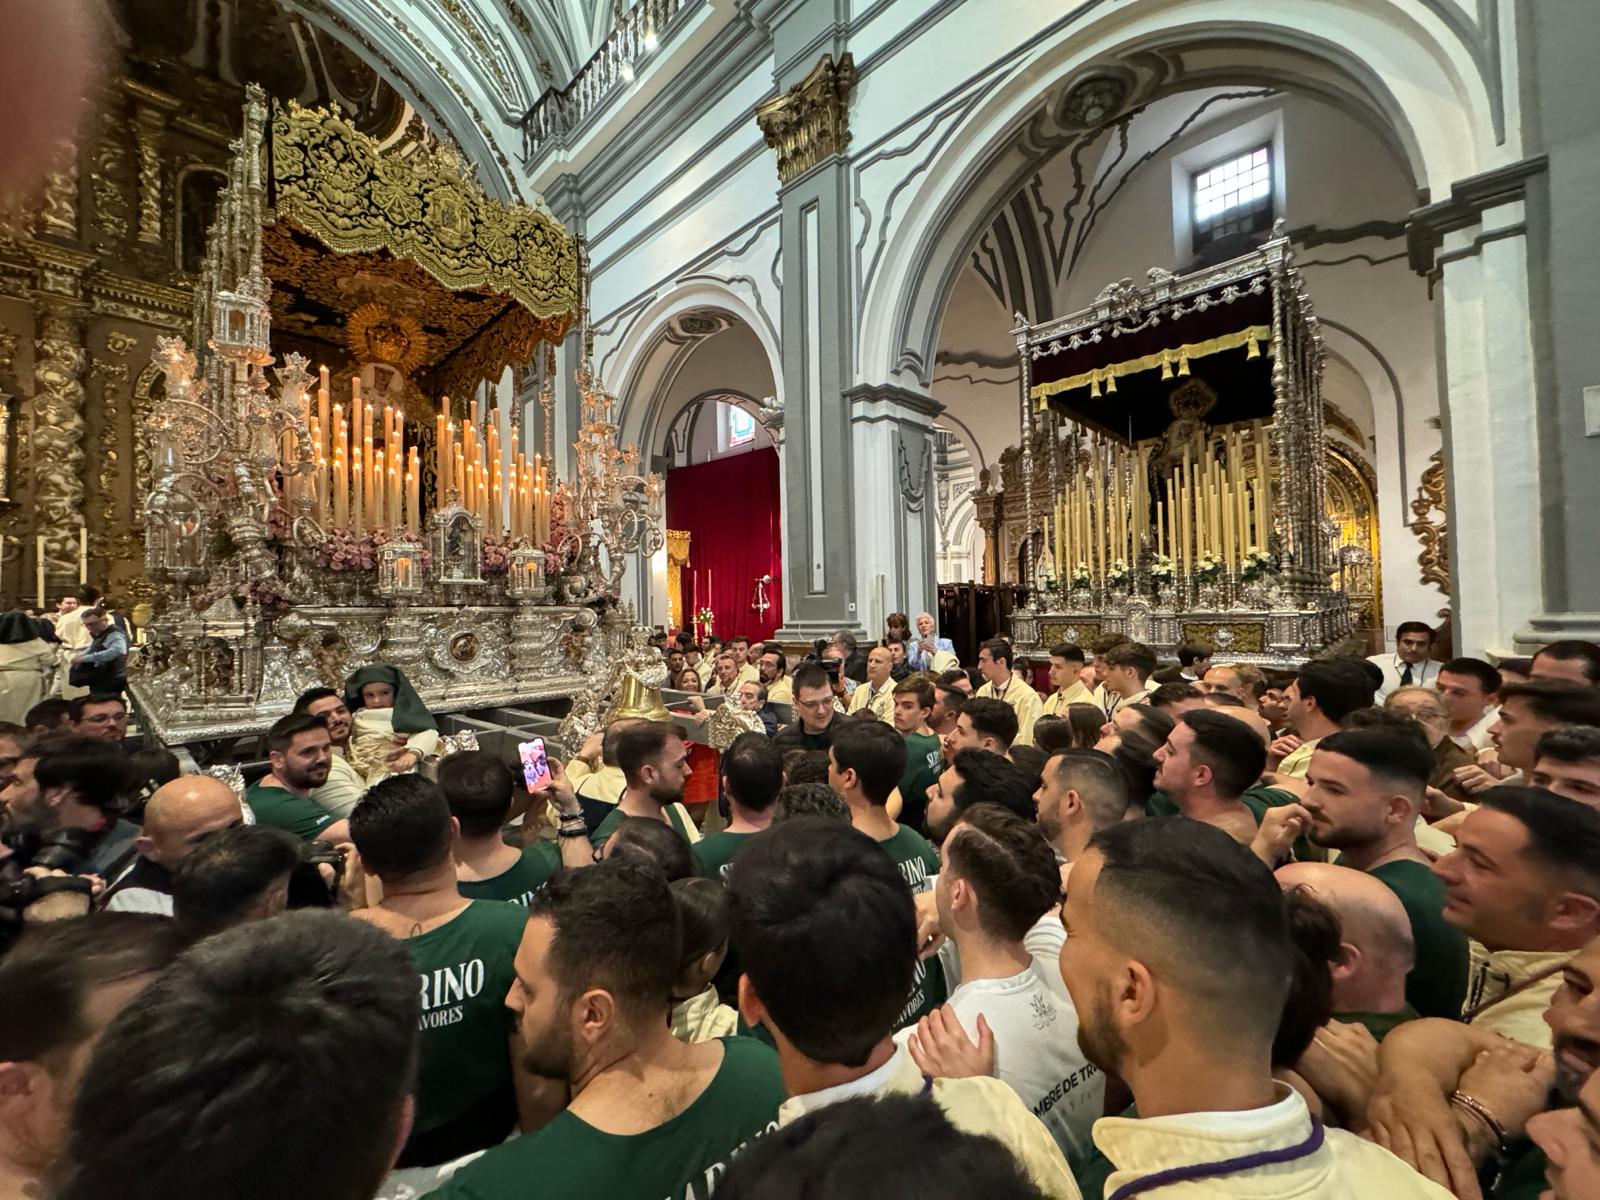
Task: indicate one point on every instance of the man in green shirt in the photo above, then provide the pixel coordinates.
(479, 788)
(865, 763)
(1208, 761)
(1366, 791)
(650, 1116)
(816, 718)
(467, 1095)
(299, 751)
(752, 777)
(655, 761)
(913, 702)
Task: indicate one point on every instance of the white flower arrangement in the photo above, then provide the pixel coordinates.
(1117, 574)
(1256, 564)
(1208, 568)
(1080, 575)
(1162, 570)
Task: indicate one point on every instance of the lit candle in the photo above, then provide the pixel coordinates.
(341, 490)
(2, 561)
(441, 476)
(38, 546)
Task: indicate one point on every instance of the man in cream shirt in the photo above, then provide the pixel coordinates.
(876, 695)
(1066, 660)
(994, 664)
(739, 647)
(1178, 960)
(774, 672)
(345, 786)
(808, 896)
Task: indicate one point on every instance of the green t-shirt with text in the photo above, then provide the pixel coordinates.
(282, 809)
(716, 851)
(681, 1159)
(1437, 983)
(924, 761)
(919, 863)
(517, 884)
(464, 1070)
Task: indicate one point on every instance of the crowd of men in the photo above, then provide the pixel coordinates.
(1193, 928)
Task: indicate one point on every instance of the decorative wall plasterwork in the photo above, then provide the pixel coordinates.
(811, 120)
(1429, 524)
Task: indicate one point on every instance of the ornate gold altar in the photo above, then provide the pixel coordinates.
(1173, 467)
(291, 539)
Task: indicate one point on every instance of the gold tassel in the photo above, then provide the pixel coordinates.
(1166, 366)
(1183, 364)
(1253, 349)
(1111, 384)
(1094, 385)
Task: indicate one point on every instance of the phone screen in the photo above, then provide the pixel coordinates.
(535, 764)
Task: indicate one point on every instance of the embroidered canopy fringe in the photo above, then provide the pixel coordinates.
(1250, 336)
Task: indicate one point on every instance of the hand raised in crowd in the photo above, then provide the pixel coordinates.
(1280, 826)
(402, 760)
(561, 793)
(1475, 779)
(929, 937)
(1436, 805)
(942, 1050)
(589, 752)
(1280, 749)
(1341, 1065)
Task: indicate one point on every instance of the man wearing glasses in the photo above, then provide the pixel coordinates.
(814, 710)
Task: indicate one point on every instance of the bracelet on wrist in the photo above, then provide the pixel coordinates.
(1471, 1104)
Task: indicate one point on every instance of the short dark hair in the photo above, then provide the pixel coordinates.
(989, 778)
(222, 878)
(1132, 654)
(1406, 627)
(1563, 834)
(1106, 642)
(401, 826)
(77, 706)
(1191, 652)
(1488, 678)
(953, 698)
(1052, 733)
(848, 1150)
(46, 978)
(1571, 648)
(48, 714)
(1559, 701)
(875, 752)
(647, 842)
(1135, 752)
(1030, 761)
(992, 718)
(783, 659)
(310, 696)
(825, 930)
(1099, 781)
(642, 742)
(1169, 694)
(199, 1084)
(1389, 721)
(1229, 747)
(738, 637)
(809, 675)
(617, 928)
(918, 686)
(1569, 744)
(1207, 908)
(608, 740)
(1315, 932)
(1400, 760)
(1338, 685)
(805, 766)
(703, 916)
(998, 649)
(95, 770)
(1009, 864)
(951, 677)
(1068, 651)
(810, 800)
(286, 728)
(478, 788)
(752, 771)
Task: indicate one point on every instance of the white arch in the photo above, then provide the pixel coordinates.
(624, 364)
(1400, 56)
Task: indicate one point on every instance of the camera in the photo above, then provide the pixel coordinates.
(308, 886)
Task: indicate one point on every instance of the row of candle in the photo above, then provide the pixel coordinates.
(364, 481)
(1219, 502)
(39, 561)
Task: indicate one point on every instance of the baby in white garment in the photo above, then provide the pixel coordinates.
(376, 749)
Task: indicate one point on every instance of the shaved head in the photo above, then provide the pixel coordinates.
(183, 813)
(1375, 933)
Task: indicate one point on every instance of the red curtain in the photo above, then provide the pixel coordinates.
(730, 508)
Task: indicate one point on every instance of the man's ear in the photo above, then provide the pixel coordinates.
(1573, 912)
(750, 1006)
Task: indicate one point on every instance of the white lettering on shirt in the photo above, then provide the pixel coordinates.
(446, 986)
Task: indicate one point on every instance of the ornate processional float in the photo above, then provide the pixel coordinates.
(1172, 479)
(302, 524)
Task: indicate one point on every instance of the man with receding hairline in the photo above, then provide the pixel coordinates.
(1178, 958)
(177, 818)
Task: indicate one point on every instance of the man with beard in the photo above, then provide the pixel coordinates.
(913, 701)
(650, 1116)
(466, 1096)
(1208, 762)
(1424, 1066)
(774, 669)
(1178, 959)
(1080, 793)
(344, 785)
(299, 752)
(655, 762)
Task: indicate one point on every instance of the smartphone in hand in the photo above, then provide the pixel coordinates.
(535, 764)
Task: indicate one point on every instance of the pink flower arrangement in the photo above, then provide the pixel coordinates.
(344, 550)
(272, 603)
(495, 561)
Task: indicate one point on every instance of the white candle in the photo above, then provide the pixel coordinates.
(38, 545)
(83, 554)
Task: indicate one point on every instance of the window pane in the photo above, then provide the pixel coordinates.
(1233, 196)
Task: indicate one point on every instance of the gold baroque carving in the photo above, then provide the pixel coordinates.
(1431, 531)
(147, 129)
(59, 212)
(57, 438)
(118, 343)
(333, 182)
(812, 119)
(1249, 637)
(105, 180)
